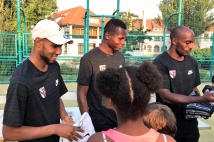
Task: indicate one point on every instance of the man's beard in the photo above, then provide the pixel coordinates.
(44, 58)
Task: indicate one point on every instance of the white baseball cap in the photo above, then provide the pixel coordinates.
(50, 30)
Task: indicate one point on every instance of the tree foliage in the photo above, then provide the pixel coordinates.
(128, 18)
(196, 14)
(34, 10)
(204, 52)
(135, 35)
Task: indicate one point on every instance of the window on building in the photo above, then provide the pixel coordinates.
(156, 48)
(157, 29)
(81, 48)
(94, 21)
(149, 48)
(67, 29)
(100, 32)
(144, 47)
(156, 38)
(77, 30)
(206, 35)
(136, 47)
(93, 31)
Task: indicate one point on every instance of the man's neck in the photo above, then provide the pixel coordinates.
(39, 63)
(106, 49)
(174, 55)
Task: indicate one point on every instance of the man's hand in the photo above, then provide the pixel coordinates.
(69, 132)
(67, 120)
(209, 96)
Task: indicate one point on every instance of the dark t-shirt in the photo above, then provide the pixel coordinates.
(33, 97)
(92, 63)
(179, 77)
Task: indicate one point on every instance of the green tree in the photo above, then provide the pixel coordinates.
(129, 19)
(35, 10)
(201, 53)
(196, 14)
(204, 55)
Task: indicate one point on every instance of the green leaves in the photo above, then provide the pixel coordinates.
(34, 10)
(196, 14)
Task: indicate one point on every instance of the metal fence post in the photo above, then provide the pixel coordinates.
(86, 23)
(86, 28)
(118, 9)
(179, 12)
(164, 33)
(19, 32)
(212, 48)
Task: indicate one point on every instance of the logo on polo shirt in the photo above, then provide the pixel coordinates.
(42, 92)
(57, 82)
(172, 73)
(190, 72)
(120, 66)
(102, 67)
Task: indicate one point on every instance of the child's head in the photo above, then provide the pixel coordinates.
(161, 118)
(129, 88)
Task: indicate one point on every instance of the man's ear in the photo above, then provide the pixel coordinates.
(111, 104)
(174, 41)
(38, 42)
(107, 35)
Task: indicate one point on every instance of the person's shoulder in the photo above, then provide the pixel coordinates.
(119, 54)
(160, 59)
(24, 79)
(161, 56)
(97, 137)
(22, 70)
(191, 57)
(168, 138)
(94, 51)
(54, 64)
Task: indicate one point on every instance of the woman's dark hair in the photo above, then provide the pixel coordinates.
(129, 88)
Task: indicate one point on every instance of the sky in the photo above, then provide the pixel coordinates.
(107, 7)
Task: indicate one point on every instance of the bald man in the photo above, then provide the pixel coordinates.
(181, 77)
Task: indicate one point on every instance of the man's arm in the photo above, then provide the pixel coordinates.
(173, 98)
(196, 89)
(66, 119)
(82, 91)
(30, 133)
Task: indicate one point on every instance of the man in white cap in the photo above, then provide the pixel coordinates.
(33, 107)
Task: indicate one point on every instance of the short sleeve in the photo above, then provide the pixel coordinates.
(16, 102)
(164, 72)
(85, 72)
(62, 89)
(212, 79)
(197, 81)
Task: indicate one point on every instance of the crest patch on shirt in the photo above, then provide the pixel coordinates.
(42, 92)
(172, 73)
(102, 67)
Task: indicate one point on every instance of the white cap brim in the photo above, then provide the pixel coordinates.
(59, 39)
